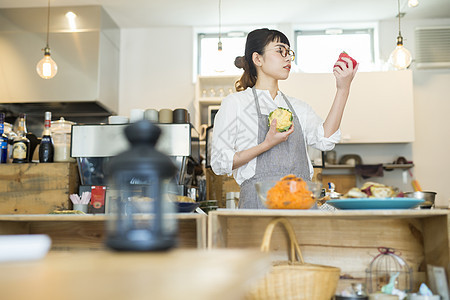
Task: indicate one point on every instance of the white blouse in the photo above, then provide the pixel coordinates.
(236, 129)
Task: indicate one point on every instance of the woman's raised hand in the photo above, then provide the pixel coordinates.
(344, 74)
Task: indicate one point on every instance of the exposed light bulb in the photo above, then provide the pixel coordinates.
(46, 67)
(413, 3)
(400, 58)
(219, 62)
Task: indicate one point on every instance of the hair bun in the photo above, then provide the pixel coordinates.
(239, 62)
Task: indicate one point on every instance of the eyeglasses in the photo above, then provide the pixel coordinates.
(284, 52)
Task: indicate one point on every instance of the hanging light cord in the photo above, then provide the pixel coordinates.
(219, 45)
(220, 18)
(48, 21)
(399, 16)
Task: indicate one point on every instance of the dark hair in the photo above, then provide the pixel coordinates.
(256, 41)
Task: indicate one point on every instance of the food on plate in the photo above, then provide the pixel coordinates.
(284, 118)
(290, 192)
(185, 199)
(344, 54)
(178, 198)
(355, 193)
(373, 190)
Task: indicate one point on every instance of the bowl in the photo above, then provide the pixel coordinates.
(207, 209)
(288, 194)
(427, 196)
(208, 203)
(187, 207)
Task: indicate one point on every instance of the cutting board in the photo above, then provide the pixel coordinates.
(343, 183)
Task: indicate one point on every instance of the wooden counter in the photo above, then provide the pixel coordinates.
(178, 274)
(35, 188)
(72, 232)
(347, 239)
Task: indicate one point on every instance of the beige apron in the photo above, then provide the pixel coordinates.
(288, 157)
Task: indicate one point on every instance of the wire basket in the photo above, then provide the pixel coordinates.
(386, 265)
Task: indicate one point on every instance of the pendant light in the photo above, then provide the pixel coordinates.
(46, 67)
(219, 44)
(220, 61)
(400, 58)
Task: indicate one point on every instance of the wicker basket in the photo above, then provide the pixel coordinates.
(294, 279)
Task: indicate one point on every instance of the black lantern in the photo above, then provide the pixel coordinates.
(142, 217)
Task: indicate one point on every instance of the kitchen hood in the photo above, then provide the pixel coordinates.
(87, 55)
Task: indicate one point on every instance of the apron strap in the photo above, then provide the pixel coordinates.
(289, 104)
(258, 109)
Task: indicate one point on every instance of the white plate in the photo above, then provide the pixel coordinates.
(375, 203)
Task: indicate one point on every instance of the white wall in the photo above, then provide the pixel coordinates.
(430, 151)
(156, 72)
(155, 69)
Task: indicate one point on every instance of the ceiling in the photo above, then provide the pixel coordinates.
(155, 13)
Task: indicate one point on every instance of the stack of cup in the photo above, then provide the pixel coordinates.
(151, 115)
(165, 116)
(136, 115)
(180, 116)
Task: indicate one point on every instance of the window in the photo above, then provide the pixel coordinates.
(214, 62)
(318, 50)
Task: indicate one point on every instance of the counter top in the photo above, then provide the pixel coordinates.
(357, 213)
(246, 212)
(79, 217)
(177, 274)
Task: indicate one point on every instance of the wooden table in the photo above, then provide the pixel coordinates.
(347, 239)
(178, 274)
(72, 232)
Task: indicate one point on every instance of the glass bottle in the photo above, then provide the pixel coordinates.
(21, 145)
(3, 140)
(46, 148)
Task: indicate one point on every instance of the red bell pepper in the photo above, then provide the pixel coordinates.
(344, 54)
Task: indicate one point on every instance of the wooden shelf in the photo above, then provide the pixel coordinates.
(360, 214)
(347, 239)
(80, 217)
(385, 166)
(202, 101)
(397, 166)
(210, 100)
(69, 232)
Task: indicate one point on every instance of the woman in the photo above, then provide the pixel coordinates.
(243, 143)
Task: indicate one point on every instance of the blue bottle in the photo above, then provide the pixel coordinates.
(3, 140)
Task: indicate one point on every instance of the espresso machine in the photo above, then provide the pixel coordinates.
(93, 145)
